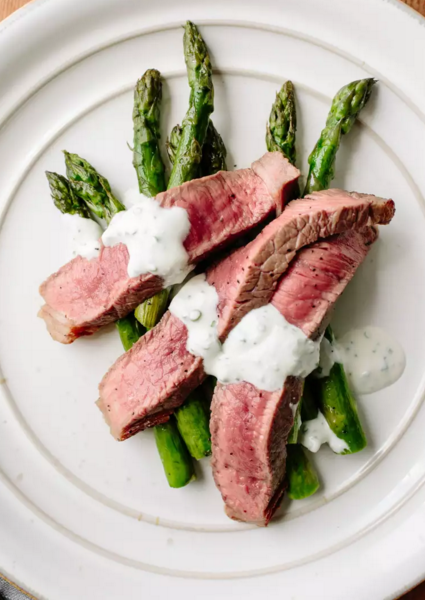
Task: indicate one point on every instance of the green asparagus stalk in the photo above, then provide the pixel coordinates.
(213, 151)
(282, 125)
(301, 475)
(345, 108)
(339, 407)
(280, 137)
(178, 466)
(333, 395)
(91, 187)
(150, 172)
(192, 422)
(149, 313)
(130, 331)
(149, 167)
(146, 123)
(201, 104)
(186, 147)
(175, 458)
(192, 417)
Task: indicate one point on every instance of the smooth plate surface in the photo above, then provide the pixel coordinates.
(83, 516)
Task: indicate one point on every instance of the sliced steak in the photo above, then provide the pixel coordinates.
(250, 427)
(248, 277)
(86, 294)
(245, 280)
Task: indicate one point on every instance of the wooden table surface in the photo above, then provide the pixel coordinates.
(8, 6)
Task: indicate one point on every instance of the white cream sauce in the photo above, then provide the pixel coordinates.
(372, 359)
(154, 238)
(316, 432)
(86, 235)
(196, 306)
(263, 349)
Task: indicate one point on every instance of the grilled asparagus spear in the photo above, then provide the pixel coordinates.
(301, 475)
(337, 403)
(149, 313)
(146, 121)
(201, 105)
(191, 417)
(91, 187)
(130, 331)
(178, 466)
(332, 393)
(175, 458)
(280, 137)
(97, 194)
(213, 151)
(345, 109)
(282, 125)
(192, 422)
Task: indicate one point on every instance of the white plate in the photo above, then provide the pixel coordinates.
(85, 517)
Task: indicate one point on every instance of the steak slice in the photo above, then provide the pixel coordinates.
(131, 395)
(247, 278)
(86, 294)
(250, 427)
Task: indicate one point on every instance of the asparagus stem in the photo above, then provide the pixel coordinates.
(149, 313)
(339, 407)
(175, 458)
(149, 168)
(282, 125)
(146, 123)
(300, 472)
(333, 394)
(345, 109)
(150, 171)
(174, 455)
(91, 187)
(192, 422)
(129, 330)
(280, 137)
(185, 149)
(201, 104)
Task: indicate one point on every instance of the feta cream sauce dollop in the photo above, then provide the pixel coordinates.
(372, 358)
(154, 238)
(86, 235)
(263, 349)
